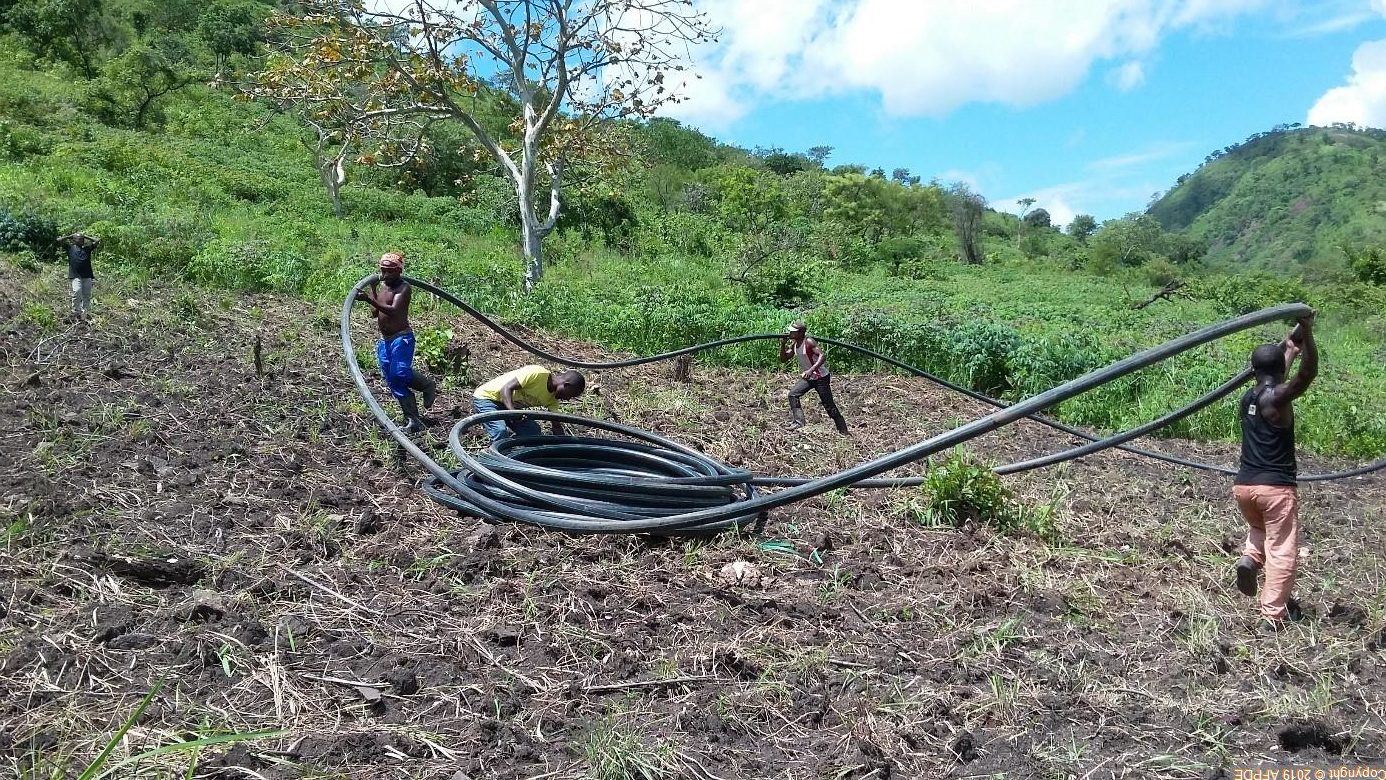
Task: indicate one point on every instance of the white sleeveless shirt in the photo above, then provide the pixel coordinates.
(806, 360)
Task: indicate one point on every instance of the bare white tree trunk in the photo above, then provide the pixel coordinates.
(331, 166)
(532, 230)
(333, 177)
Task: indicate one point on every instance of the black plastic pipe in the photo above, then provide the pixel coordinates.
(607, 485)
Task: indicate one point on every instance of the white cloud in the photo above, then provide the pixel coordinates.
(1157, 151)
(760, 42)
(972, 179)
(1363, 99)
(1119, 179)
(927, 57)
(707, 101)
(1129, 76)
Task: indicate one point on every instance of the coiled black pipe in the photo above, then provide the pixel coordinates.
(518, 481)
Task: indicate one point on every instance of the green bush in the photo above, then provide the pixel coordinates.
(1245, 293)
(1159, 272)
(960, 491)
(982, 349)
(786, 282)
(37, 234)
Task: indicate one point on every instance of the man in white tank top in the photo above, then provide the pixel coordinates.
(813, 375)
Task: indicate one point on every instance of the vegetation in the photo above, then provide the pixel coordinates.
(685, 240)
(1293, 199)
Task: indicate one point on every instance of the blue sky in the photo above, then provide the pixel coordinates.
(1089, 106)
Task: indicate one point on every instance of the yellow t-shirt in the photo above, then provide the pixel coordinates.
(533, 390)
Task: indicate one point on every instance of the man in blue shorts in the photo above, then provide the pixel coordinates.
(395, 350)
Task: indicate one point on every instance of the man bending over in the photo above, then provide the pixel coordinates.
(526, 388)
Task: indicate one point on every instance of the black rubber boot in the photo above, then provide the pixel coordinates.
(413, 423)
(426, 385)
(796, 415)
(1246, 575)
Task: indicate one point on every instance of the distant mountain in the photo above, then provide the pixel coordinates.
(1285, 200)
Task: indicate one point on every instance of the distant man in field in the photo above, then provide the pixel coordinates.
(526, 388)
(80, 248)
(813, 375)
(389, 297)
(1265, 484)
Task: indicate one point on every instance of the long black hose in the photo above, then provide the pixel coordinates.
(654, 485)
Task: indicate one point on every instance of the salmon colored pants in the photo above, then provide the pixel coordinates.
(1272, 512)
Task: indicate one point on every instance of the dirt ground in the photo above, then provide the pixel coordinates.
(252, 542)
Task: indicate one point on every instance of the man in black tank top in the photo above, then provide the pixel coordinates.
(1265, 484)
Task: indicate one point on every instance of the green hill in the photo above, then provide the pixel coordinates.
(1287, 200)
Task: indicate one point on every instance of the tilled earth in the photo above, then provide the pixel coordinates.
(252, 544)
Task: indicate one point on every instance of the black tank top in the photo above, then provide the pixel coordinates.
(1268, 451)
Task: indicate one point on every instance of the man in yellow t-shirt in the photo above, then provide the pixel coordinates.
(526, 388)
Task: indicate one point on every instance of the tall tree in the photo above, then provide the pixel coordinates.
(819, 154)
(132, 83)
(66, 30)
(574, 66)
(967, 221)
(1024, 204)
(1082, 226)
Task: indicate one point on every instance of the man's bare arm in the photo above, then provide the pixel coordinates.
(1308, 367)
(812, 346)
(507, 393)
(400, 302)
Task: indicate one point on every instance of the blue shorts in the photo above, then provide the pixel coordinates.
(396, 358)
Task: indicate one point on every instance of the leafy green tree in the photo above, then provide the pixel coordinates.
(132, 83)
(1130, 241)
(862, 204)
(1038, 219)
(1024, 204)
(667, 141)
(747, 199)
(926, 208)
(68, 31)
(819, 154)
(1081, 227)
(806, 194)
(232, 27)
(784, 163)
(1367, 263)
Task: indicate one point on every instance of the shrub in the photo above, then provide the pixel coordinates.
(1245, 293)
(982, 349)
(785, 281)
(960, 491)
(1369, 265)
(37, 234)
(1160, 272)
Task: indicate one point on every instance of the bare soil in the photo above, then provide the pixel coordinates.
(255, 544)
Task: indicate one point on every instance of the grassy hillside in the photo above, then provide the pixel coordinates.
(223, 194)
(1288, 200)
